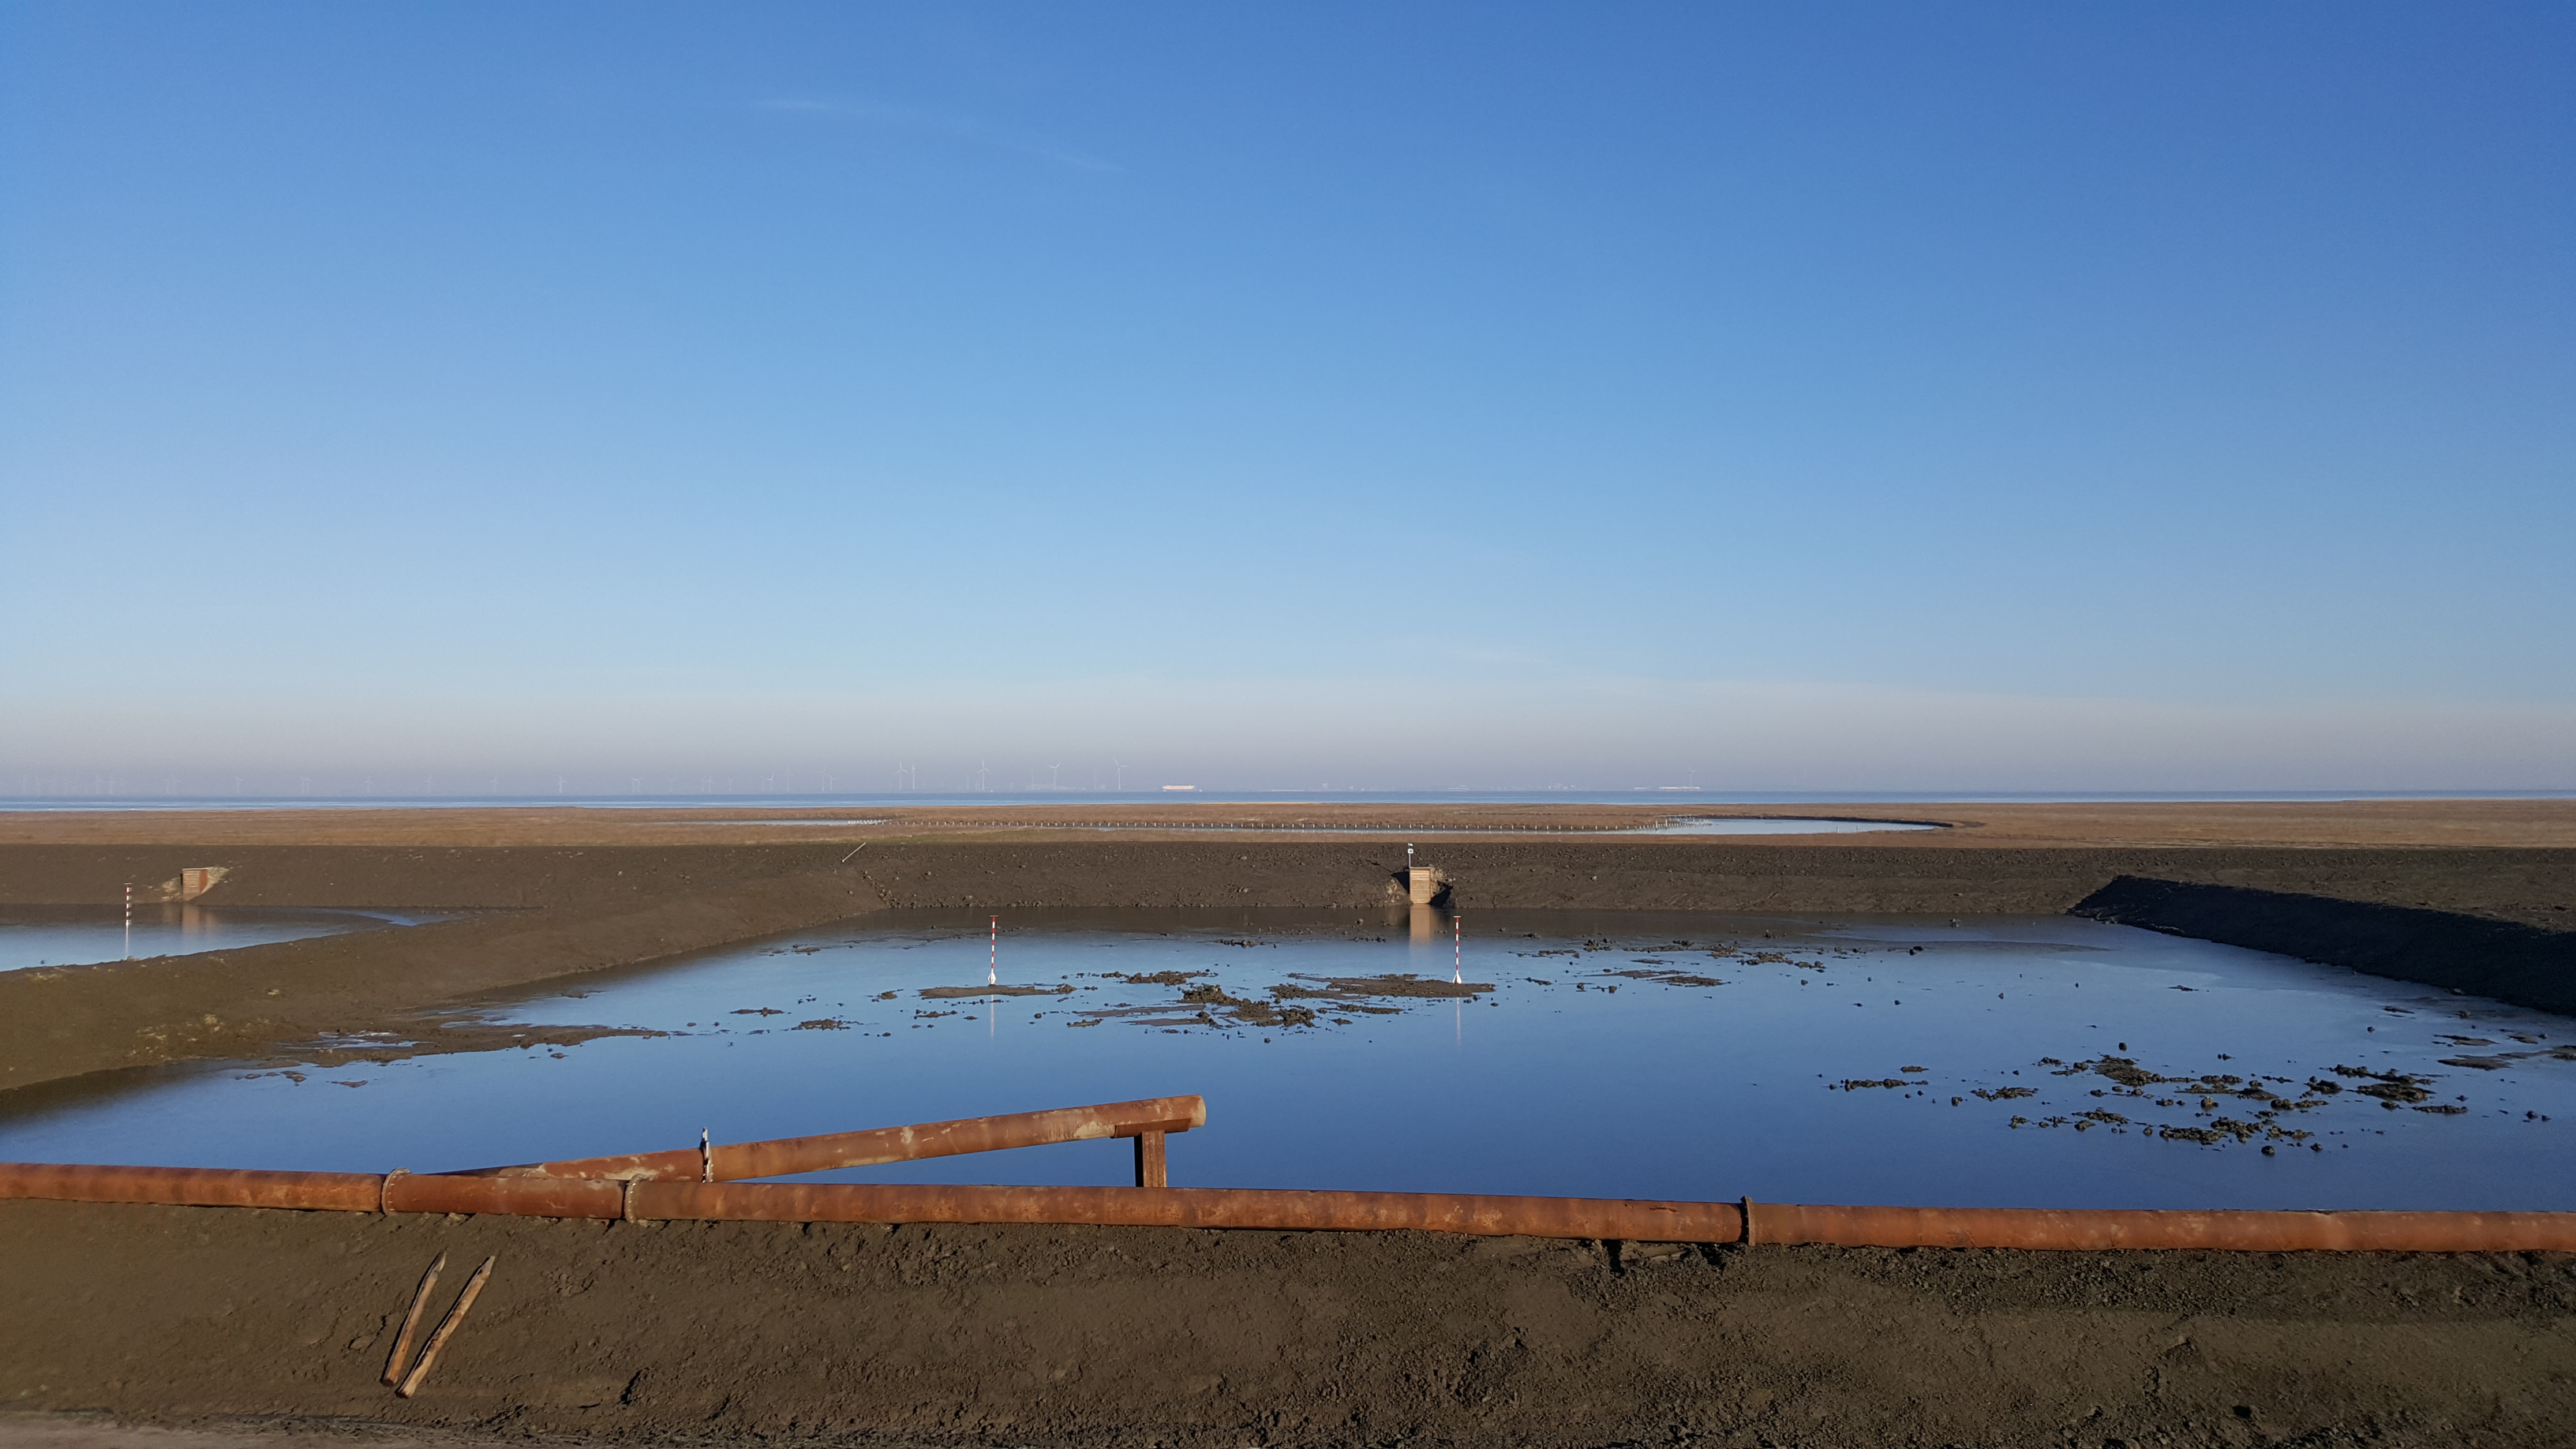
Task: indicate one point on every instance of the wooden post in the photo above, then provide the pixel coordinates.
(446, 1329)
(411, 1322)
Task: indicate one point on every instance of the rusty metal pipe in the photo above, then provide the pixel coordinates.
(1558, 1217)
(349, 1192)
(1195, 1207)
(2112, 1228)
(1263, 1208)
(527, 1197)
(786, 1156)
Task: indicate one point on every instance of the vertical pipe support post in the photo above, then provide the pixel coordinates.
(1150, 1168)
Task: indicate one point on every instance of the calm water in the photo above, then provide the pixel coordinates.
(344, 795)
(1678, 1057)
(85, 935)
(1711, 825)
(1706, 825)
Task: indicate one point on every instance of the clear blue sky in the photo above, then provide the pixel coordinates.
(1832, 396)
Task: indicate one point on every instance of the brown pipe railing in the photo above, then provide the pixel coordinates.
(2109, 1228)
(1552, 1217)
(1146, 1120)
(1198, 1207)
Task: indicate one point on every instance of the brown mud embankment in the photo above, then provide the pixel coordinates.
(563, 911)
(1079, 1336)
(2475, 956)
(59, 1022)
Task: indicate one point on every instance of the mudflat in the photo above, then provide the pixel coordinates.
(1030, 1335)
(2407, 823)
(563, 892)
(236, 1319)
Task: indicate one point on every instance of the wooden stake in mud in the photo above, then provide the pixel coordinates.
(411, 1322)
(446, 1329)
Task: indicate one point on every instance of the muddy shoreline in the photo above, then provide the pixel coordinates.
(247, 1320)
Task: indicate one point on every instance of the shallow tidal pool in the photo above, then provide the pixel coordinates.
(32, 936)
(2043, 1062)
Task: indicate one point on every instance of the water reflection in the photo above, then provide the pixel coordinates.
(1760, 825)
(82, 935)
(2034, 1062)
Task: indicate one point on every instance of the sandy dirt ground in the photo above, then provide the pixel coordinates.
(966, 1335)
(183, 1328)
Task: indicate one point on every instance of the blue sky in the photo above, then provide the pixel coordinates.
(1838, 397)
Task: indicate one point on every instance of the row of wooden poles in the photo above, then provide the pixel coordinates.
(704, 1183)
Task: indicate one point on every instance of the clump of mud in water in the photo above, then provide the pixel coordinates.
(1404, 984)
(1669, 978)
(2391, 1089)
(1211, 994)
(1263, 1013)
(1220, 1008)
(445, 1036)
(1249, 1013)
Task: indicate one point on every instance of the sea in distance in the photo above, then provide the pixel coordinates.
(1678, 798)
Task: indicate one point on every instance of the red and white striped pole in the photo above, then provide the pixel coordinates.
(1457, 948)
(993, 965)
(129, 920)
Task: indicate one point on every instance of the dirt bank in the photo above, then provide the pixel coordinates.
(59, 1022)
(281, 869)
(2503, 959)
(1115, 1337)
(2532, 885)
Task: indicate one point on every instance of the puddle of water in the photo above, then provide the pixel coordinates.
(85, 935)
(778, 822)
(1688, 825)
(1696, 1057)
(1746, 825)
